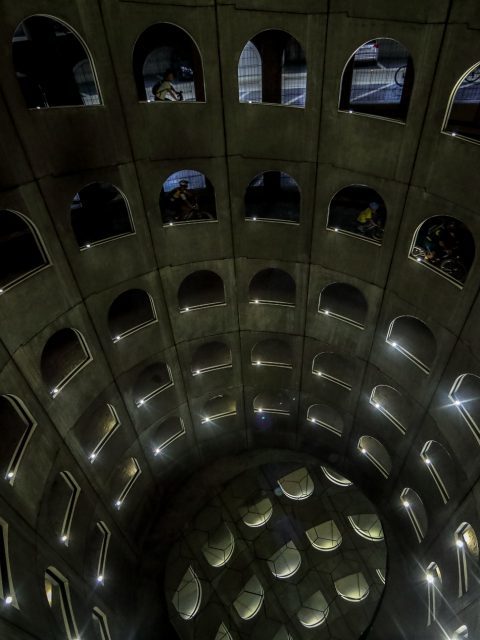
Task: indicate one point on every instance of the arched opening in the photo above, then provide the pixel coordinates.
(131, 311)
(336, 478)
(467, 555)
(314, 611)
(272, 353)
(223, 633)
(21, 250)
(129, 473)
(272, 286)
(462, 117)
(167, 66)
(297, 485)
(167, 432)
(273, 69)
(358, 211)
(434, 591)
(152, 381)
(187, 196)
(325, 536)
(52, 65)
(285, 562)
(221, 406)
(276, 402)
(378, 80)
(374, 451)
(344, 302)
(103, 538)
(367, 526)
(57, 592)
(416, 512)
(353, 587)
(248, 602)
(63, 356)
(211, 356)
(99, 212)
(95, 429)
(440, 466)
(257, 513)
(272, 196)
(7, 590)
(219, 547)
(188, 595)
(201, 289)
(335, 369)
(465, 397)
(326, 417)
(63, 501)
(446, 246)
(414, 340)
(17, 425)
(389, 402)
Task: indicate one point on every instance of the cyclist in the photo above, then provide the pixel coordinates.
(366, 219)
(183, 201)
(165, 91)
(441, 241)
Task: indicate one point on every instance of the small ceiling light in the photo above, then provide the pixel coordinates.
(187, 308)
(377, 406)
(313, 420)
(394, 344)
(260, 410)
(157, 451)
(336, 229)
(406, 504)
(430, 578)
(171, 224)
(117, 338)
(207, 419)
(254, 218)
(326, 312)
(419, 259)
(197, 372)
(319, 373)
(8, 600)
(118, 504)
(453, 134)
(350, 111)
(427, 461)
(88, 246)
(459, 543)
(140, 402)
(10, 475)
(100, 578)
(1, 291)
(64, 538)
(363, 450)
(457, 403)
(258, 362)
(256, 301)
(54, 392)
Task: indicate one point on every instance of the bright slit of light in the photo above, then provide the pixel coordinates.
(427, 461)
(430, 578)
(406, 504)
(459, 544)
(8, 600)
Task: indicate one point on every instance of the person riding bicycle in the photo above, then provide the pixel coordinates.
(441, 241)
(165, 91)
(366, 219)
(183, 201)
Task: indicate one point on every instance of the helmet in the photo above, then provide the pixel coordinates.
(374, 206)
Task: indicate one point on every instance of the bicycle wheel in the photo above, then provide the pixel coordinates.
(454, 268)
(473, 76)
(400, 75)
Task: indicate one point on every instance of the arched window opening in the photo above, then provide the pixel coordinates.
(187, 196)
(105, 536)
(223, 633)
(221, 406)
(314, 611)
(57, 592)
(67, 499)
(344, 302)
(326, 417)
(188, 596)
(151, 382)
(258, 513)
(325, 536)
(272, 353)
(273, 196)
(434, 589)
(461, 633)
(465, 396)
(169, 430)
(131, 473)
(275, 402)
(297, 485)
(64, 355)
(52, 65)
(440, 466)
(378, 80)
(100, 623)
(99, 213)
(467, 553)
(17, 426)
(167, 66)
(250, 599)
(285, 562)
(272, 69)
(21, 250)
(416, 512)
(336, 478)
(211, 356)
(376, 453)
(272, 286)
(414, 340)
(131, 311)
(219, 547)
(367, 525)
(199, 290)
(104, 423)
(358, 211)
(333, 368)
(7, 591)
(462, 118)
(389, 402)
(353, 587)
(446, 246)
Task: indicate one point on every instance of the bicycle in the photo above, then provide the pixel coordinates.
(473, 76)
(452, 266)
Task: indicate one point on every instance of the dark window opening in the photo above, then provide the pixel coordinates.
(99, 212)
(463, 117)
(167, 66)
(131, 311)
(187, 196)
(360, 211)
(52, 65)
(64, 354)
(272, 286)
(201, 289)
(378, 80)
(273, 196)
